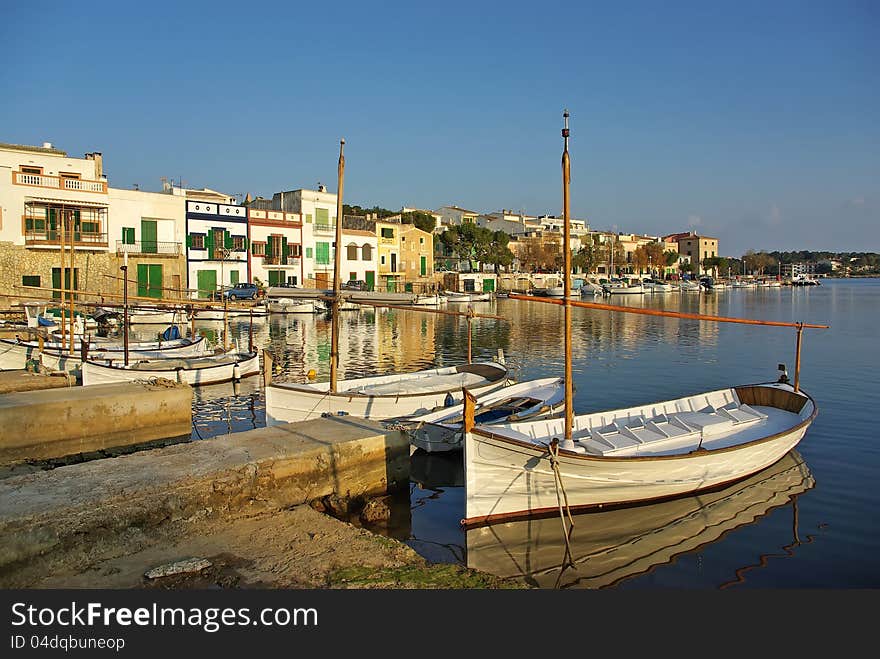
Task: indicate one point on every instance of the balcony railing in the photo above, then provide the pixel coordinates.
(325, 227)
(148, 247)
(59, 182)
(387, 241)
(280, 260)
(53, 237)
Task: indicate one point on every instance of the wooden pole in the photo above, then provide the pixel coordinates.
(470, 317)
(797, 358)
(334, 320)
(63, 287)
(566, 251)
(72, 281)
(125, 305)
(268, 365)
(668, 314)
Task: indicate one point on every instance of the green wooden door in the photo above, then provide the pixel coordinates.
(233, 277)
(488, 285)
(207, 282)
(370, 279)
(56, 280)
(149, 280)
(148, 237)
(423, 265)
(276, 277)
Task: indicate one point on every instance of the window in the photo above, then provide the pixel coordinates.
(295, 250)
(352, 254)
(128, 235)
(239, 243)
(387, 232)
(29, 169)
(308, 218)
(421, 241)
(30, 280)
(292, 281)
(197, 240)
(367, 252)
(322, 253)
(308, 252)
(382, 260)
(258, 249)
(69, 175)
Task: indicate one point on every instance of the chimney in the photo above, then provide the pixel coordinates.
(99, 163)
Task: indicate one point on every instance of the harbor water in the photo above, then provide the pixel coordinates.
(804, 523)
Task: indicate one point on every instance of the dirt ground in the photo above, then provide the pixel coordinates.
(292, 548)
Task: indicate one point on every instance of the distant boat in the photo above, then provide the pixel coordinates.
(456, 297)
(690, 286)
(622, 287)
(286, 305)
(195, 371)
(218, 313)
(440, 430)
(656, 286)
(428, 299)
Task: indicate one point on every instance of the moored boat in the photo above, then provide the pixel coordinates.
(195, 371)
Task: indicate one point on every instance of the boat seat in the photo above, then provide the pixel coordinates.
(740, 414)
(624, 435)
(708, 424)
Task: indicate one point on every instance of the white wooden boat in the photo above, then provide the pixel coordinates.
(621, 287)
(482, 297)
(195, 371)
(155, 316)
(627, 456)
(656, 286)
(384, 396)
(15, 354)
(689, 286)
(555, 291)
(590, 288)
(295, 305)
(609, 546)
(440, 430)
(429, 299)
(455, 297)
(237, 312)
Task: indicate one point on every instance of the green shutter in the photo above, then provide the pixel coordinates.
(308, 252)
(189, 240)
(322, 253)
(270, 246)
(284, 249)
(227, 240)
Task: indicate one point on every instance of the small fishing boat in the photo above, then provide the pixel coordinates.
(295, 305)
(482, 297)
(429, 299)
(383, 396)
(195, 371)
(455, 297)
(237, 312)
(440, 430)
(656, 286)
(623, 287)
(632, 455)
(689, 286)
(15, 354)
(155, 316)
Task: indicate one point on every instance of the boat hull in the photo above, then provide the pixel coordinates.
(509, 477)
(286, 403)
(200, 372)
(15, 355)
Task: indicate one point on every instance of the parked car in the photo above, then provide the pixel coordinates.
(241, 291)
(354, 285)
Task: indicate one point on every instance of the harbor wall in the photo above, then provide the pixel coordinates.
(52, 423)
(96, 503)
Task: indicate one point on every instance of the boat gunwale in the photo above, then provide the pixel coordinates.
(542, 449)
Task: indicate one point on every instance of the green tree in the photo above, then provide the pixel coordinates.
(421, 220)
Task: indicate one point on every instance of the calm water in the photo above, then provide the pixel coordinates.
(807, 523)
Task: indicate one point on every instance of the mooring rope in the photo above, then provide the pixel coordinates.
(561, 495)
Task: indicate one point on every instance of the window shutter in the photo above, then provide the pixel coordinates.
(284, 249)
(189, 240)
(227, 240)
(270, 244)
(253, 248)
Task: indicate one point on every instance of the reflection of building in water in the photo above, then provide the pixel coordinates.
(608, 547)
(405, 339)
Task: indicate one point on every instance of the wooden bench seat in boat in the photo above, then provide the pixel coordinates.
(634, 433)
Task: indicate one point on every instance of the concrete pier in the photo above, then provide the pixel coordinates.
(52, 423)
(22, 380)
(82, 506)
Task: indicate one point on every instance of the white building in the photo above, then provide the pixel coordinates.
(509, 222)
(455, 216)
(275, 247)
(216, 246)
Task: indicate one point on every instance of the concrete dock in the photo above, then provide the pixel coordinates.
(23, 380)
(76, 508)
(58, 422)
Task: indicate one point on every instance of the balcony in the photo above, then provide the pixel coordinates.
(147, 247)
(281, 261)
(387, 241)
(52, 238)
(59, 182)
(325, 228)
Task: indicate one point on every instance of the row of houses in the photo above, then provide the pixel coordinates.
(63, 225)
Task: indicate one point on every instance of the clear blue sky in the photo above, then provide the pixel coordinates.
(756, 122)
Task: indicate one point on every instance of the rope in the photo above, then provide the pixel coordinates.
(568, 560)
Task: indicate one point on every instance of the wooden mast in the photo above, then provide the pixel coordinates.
(72, 280)
(334, 320)
(60, 221)
(566, 279)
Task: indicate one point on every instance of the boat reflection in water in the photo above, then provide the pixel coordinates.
(610, 546)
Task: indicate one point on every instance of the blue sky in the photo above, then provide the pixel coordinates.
(756, 122)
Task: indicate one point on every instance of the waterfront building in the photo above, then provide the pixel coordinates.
(695, 247)
(798, 269)
(416, 256)
(216, 244)
(49, 199)
(275, 255)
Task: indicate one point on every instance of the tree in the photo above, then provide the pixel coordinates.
(421, 220)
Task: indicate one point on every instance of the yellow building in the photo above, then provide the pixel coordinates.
(416, 254)
(695, 247)
(390, 271)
